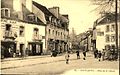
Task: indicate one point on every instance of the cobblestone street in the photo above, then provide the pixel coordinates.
(47, 65)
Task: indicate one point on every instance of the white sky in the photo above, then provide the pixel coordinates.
(78, 10)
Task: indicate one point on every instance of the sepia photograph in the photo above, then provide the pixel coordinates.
(60, 37)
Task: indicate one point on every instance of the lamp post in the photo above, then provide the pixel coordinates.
(116, 25)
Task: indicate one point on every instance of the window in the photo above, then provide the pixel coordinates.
(36, 31)
(5, 12)
(56, 33)
(100, 33)
(107, 28)
(49, 31)
(61, 34)
(21, 33)
(107, 38)
(31, 17)
(8, 27)
(53, 32)
(112, 27)
(112, 38)
(107, 47)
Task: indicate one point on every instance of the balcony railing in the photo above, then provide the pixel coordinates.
(37, 37)
(9, 34)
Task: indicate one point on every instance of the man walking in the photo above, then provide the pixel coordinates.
(99, 55)
(67, 57)
(84, 53)
(78, 54)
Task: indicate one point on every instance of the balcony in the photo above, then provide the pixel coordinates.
(37, 37)
(9, 35)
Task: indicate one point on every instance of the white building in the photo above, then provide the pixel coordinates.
(105, 33)
(22, 27)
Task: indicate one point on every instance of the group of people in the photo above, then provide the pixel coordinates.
(77, 53)
(106, 54)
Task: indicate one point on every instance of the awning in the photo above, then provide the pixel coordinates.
(35, 42)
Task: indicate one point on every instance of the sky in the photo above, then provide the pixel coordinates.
(80, 16)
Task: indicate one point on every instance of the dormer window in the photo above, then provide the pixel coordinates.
(31, 17)
(5, 12)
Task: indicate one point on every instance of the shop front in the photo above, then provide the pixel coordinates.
(8, 49)
(35, 48)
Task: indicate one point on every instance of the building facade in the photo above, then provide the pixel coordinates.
(106, 33)
(28, 28)
(22, 31)
(57, 31)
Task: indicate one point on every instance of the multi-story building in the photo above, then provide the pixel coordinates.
(57, 31)
(22, 28)
(27, 27)
(106, 32)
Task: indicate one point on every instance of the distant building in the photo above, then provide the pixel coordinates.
(105, 32)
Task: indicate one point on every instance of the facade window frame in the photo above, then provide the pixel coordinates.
(21, 31)
(5, 12)
(112, 27)
(107, 38)
(113, 38)
(107, 28)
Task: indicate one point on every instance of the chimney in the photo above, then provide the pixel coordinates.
(54, 11)
(17, 6)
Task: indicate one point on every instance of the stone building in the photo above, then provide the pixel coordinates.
(57, 31)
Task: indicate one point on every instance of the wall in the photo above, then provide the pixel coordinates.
(100, 40)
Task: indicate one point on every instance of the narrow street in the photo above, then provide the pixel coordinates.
(55, 65)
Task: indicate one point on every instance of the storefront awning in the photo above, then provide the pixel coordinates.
(35, 42)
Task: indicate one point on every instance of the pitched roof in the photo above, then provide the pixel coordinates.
(63, 19)
(107, 18)
(43, 9)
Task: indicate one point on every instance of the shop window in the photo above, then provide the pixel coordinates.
(21, 32)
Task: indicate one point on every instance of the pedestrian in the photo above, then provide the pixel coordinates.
(95, 53)
(103, 54)
(99, 55)
(78, 54)
(84, 54)
(67, 57)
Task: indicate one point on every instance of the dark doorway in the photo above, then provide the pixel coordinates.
(22, 49)
(34, 49)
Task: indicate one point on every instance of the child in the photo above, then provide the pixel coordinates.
(67, 57)
(99, 55)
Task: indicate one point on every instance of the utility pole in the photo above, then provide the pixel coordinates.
(116, 25)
